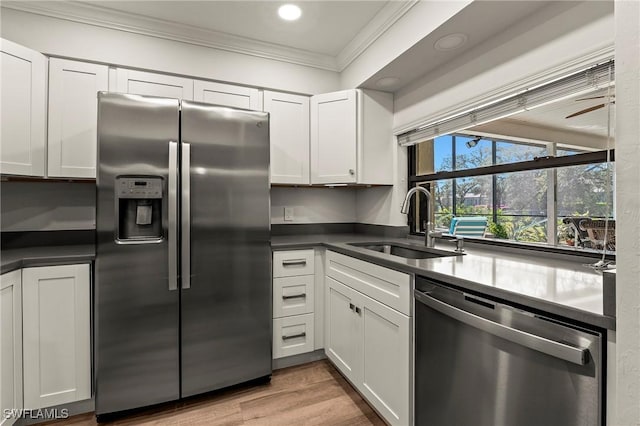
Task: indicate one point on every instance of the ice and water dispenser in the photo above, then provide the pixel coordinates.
(139, 208)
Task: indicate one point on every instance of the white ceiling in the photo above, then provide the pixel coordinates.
(549, 123)
(329, 35)
(325, 27)
(480, 21)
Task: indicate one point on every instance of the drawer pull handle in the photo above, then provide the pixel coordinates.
(294, 336)
(294, 296)
(358, 310)
(294, 262)
(352, 307)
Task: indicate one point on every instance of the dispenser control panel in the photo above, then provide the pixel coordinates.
(139, 187)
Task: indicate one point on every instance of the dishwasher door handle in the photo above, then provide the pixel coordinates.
(550, 347)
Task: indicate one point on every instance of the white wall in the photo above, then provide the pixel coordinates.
(381, 205)
(419, 21)
(314, 205)
(628, 208)
(82, 41)
(551, 37)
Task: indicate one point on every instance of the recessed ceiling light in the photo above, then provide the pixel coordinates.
(387, 81)
(289, 12)
(451, 41)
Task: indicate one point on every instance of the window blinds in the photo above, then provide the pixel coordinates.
(581, 82)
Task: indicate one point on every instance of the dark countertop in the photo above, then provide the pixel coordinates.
(555, 284)
(16, 258)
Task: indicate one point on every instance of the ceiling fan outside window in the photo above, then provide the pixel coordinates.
(611, 100)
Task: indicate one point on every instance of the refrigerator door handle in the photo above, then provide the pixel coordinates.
(186, 216)
(173, 215)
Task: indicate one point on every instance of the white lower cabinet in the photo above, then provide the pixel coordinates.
(385, 360)
(293, 335)
(342, 329)
(294, 297)
(10, 346)
(369, 342)
(56, 335)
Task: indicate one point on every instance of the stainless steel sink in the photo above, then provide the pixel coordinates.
(406, 251)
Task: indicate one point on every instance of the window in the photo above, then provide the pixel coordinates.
(524, 192)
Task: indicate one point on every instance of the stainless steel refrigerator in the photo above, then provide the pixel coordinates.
(183, 266)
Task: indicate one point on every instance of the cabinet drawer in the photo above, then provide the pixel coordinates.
(292, 335)
(292, 296)
(387, 286)
(290, 263)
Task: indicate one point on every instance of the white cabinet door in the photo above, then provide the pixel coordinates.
(152, 84)
(73, 116)
(333, 137)
(289, 136)
(56, 335)
(227, 95)
(343, 344)
(23, 132)
(10, 346)
(385, 361)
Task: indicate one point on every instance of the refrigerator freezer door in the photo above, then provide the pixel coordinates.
(226, 313)
(136, 315)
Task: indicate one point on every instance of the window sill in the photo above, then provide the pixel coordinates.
(539, 247)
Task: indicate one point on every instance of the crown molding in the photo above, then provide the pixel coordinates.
(90, 14)
(138, 24)
(375, 28)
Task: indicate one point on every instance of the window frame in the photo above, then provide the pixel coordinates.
(548, 162)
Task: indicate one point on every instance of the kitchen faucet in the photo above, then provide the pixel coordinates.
(429, 233)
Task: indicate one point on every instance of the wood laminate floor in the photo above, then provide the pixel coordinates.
(310, 394)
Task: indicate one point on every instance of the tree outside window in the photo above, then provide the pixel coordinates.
(514, 203)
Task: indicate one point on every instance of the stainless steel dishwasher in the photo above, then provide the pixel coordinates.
(483, 363)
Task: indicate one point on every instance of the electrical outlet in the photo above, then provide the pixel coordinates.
(288, 214)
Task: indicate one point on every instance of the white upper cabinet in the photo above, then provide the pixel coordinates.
(73, 112)
(56, 335)
(10, 345)
(333, 137)
(152, 84)
(23, 132)
(351, 137)
(227, 95)
(289, 135)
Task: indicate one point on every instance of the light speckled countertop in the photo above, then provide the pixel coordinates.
(554, 284)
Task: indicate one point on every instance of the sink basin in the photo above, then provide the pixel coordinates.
(406, 251)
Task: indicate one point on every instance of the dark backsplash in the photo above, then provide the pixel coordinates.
(21, 239)
(339, 228)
